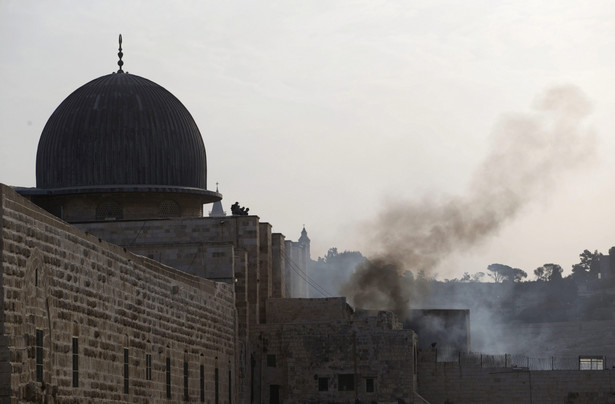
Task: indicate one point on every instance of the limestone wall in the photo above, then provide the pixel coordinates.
(200, 246)
(447, 382)
(65, 286)
(265, 268)
(279, 262)
(333, 362)
(195, 245)
(307, 310)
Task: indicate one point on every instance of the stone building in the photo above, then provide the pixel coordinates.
(321, 350)
(116, 288)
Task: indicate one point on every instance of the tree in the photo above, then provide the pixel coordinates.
(334, 269)
(549, 272)
(589, 263)
(501, 273)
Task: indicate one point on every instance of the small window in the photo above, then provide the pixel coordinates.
(216, 385)
(126, 368)
(345, 382)
(148, 367)
(169, 208)
(39, 356)
(271, 361)
(369, 385)
(75, 362)
(591, 362)
(186, 397)
(202, 383)
(168, 377)
(230, 387)
(109, 210)
(323, 384)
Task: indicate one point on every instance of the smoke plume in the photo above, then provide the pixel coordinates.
(528, 152)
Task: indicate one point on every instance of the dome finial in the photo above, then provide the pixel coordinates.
(120, 54)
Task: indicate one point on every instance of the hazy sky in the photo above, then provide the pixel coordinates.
(324, 112)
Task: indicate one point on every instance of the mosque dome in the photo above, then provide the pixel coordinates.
(121, 130)
(121, 147)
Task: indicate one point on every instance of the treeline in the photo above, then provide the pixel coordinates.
(586, 269)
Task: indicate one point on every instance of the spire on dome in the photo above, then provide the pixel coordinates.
(120, 63)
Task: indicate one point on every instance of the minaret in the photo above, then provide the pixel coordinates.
(304, 240)
(304, 246)
(216, 209)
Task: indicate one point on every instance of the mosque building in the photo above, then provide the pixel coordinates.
(116, 287)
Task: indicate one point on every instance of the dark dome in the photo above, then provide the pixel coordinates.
(121, 130)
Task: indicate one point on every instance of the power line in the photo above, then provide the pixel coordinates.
(295, 268)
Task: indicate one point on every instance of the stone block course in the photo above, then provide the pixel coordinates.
(69, 284)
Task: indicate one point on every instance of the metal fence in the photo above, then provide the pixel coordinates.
(475, 359)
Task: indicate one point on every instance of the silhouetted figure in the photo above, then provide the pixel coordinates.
(237, 210)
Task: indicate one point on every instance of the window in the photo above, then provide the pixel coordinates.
(75, 362)
(202, 383)
(369, 385)
(271, 361)
(216, 386)
(39, 355)
(148, 367)
(109, 210)
(274, 394)
(126, 371)
(345, 382)
(168, 373)
(230, 387)
(323, 384)
(186, 381)
(591, 362)
(169, 208)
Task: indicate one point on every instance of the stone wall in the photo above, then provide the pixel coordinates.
(117, 205)
(265, 268)
(75, 290)
(279, 262)
(307, 310)
(199, 246)
(335, 361)
(447, 382)
(204, 247)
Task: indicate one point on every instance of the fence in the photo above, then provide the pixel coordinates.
(475, 359)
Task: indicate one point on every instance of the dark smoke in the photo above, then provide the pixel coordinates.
(528, 152)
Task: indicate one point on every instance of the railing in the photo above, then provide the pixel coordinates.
(475, 359)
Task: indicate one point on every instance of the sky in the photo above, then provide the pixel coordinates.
(323, 113)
